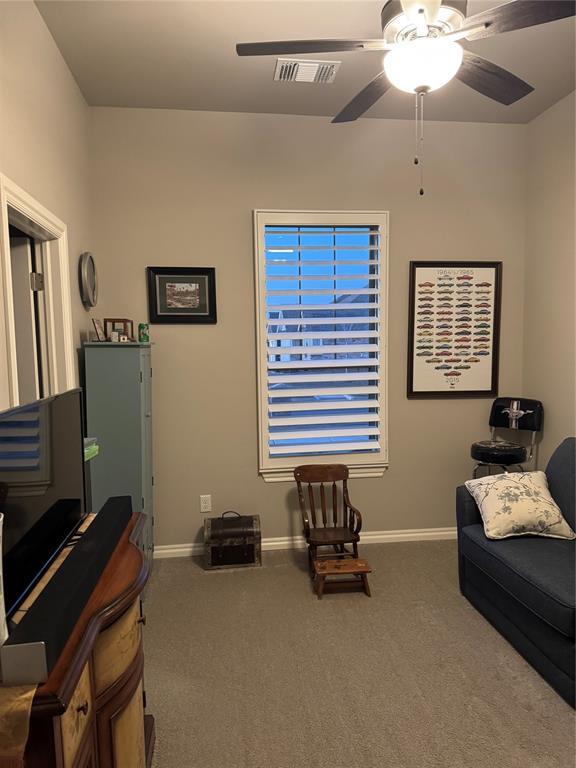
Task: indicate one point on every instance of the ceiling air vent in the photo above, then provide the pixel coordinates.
(305, 71)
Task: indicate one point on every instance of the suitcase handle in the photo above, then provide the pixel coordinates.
(231, 512)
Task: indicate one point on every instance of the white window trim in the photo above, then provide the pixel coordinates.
(281, 469)
(61, 353)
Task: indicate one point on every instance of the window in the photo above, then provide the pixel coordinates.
(321, 304)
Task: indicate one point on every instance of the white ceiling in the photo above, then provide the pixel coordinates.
(181, 55)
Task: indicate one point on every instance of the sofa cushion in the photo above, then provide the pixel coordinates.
(560, 474)
(537, 572)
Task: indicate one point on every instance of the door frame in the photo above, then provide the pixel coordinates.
(21, 209)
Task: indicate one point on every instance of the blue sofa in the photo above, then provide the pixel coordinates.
(525, 585)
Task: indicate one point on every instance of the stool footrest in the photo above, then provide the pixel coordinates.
(357, 568)
(334, 567)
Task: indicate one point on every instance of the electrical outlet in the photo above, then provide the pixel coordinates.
(206, 503)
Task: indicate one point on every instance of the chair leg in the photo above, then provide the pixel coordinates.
(320, 586)
(355, 549)
(311, 558)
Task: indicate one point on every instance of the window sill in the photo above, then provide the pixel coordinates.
(286, 474)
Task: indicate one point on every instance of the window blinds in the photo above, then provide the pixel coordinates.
(323, 350)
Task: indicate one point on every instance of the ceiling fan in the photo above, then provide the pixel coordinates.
(421, 49)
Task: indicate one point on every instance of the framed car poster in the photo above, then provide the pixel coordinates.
(454, 328)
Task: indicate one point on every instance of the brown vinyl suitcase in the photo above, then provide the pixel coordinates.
(232, 542)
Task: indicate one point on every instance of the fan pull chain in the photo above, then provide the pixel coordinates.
(421, 154)
(419, 126)
(417, 144)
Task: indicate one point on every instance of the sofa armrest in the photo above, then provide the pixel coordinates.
(467, 512)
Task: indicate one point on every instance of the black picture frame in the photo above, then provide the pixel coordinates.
(454, 329)
(193, 302)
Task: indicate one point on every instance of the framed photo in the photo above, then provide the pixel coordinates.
(181, 294)
(454, 328)
(99, 329)
(120, 326)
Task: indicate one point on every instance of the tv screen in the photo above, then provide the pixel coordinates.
(41, 487)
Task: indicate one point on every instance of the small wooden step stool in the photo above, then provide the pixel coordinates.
(355, 567)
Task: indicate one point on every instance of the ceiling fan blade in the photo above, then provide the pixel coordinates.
(390, 10)
(364, 100)
(280, 47)
(519, 14)
(491, 80)
(461, 34)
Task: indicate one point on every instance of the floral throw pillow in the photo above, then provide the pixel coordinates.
(518, 504)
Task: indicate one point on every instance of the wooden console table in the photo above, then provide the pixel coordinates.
(90, 711)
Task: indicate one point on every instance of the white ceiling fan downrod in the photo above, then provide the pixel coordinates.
(419, 126)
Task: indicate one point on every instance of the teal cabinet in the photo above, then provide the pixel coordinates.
(118, 386)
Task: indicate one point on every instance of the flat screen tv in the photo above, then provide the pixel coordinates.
(41, 487)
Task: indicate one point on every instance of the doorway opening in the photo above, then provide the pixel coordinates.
(36, 335)
(29, 315)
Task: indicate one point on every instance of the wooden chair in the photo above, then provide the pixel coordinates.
(323, 527)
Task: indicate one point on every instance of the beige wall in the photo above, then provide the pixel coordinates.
(549, 312)
(178, 188)
(44, 123)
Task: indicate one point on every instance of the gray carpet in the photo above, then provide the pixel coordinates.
(247, 669)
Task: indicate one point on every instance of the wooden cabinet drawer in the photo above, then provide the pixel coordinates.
(77, 719)
(116, 648)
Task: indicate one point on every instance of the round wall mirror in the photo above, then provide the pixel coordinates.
(88, 280)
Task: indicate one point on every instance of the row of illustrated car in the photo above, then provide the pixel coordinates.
(450, 281)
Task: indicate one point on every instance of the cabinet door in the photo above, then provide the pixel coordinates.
(115, 649)
(128, 733)
(113, 411)
(120, 724)
(146, 451)
(87, 757)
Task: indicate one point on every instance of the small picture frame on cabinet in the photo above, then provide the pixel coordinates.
(120, 325)
(99, 329)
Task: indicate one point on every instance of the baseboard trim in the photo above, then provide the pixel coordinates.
(297, 542)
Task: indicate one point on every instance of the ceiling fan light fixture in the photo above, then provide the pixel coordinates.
(423, 64)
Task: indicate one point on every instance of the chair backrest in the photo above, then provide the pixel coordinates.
(326, 507)
(503, 408)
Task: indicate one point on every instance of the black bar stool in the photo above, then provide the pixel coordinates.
(508, 413)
